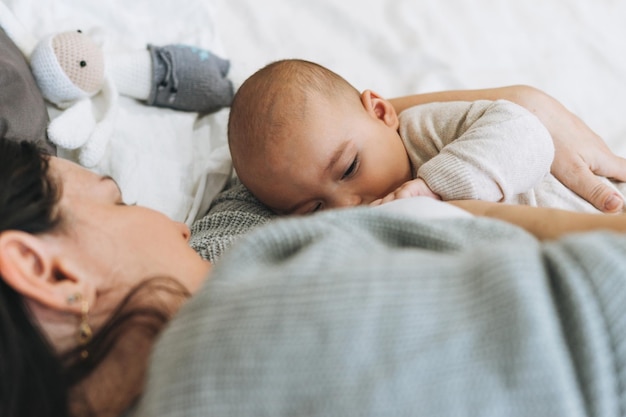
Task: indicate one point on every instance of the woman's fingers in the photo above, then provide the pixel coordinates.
(612, 166)
(577, 175)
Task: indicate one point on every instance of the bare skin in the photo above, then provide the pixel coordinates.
(544, 223)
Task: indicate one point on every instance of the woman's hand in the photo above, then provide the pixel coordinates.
(581, 155)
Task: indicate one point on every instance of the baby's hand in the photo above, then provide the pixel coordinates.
(413, 188)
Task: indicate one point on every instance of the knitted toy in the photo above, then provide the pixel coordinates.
(70, 68)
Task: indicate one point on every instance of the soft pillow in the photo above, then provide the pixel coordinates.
(23, 112)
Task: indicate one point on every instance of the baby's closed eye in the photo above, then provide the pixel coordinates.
(351, 169)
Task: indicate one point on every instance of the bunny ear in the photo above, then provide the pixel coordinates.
(14, 29)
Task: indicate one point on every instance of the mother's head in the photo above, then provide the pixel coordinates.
(86, 282)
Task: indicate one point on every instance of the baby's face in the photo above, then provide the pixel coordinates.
(339, 156)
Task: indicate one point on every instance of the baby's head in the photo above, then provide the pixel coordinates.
(303, 139)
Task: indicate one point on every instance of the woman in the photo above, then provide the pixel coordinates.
(87, 282)
(73, 251)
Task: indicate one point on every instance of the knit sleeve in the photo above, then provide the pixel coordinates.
(477, 150)
(233, 213)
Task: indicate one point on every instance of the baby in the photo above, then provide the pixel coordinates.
(303, 139)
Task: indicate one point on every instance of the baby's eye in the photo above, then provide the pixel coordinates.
(316, 207)
(351, 169)
(312, 209)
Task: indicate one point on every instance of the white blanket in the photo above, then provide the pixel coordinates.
(176, 162)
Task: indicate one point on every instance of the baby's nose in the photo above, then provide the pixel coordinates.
(349, 200)
(184, 229)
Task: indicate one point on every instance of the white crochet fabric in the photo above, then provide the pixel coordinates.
(55, 85)
(131, 73)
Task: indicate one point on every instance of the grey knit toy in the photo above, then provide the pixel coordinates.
(189, 79)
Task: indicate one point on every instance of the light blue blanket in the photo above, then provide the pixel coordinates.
(363, 313)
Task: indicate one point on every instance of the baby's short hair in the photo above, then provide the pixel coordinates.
(274, 97)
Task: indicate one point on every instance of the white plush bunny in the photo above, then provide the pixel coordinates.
(69, 69)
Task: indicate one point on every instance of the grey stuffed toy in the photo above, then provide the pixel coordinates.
(189, 79)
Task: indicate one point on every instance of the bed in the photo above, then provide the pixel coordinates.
(178, 163)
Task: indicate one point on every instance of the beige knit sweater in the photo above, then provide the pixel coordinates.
(485, 150)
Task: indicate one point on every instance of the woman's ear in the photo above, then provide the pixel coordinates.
(380, 108)
(27, 266)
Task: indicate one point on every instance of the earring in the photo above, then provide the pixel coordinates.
(72, 298)
(84, 329)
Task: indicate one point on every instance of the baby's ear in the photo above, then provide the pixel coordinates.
(380, 108)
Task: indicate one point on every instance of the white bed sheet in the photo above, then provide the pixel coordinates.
(175, 162)
(573, 49)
